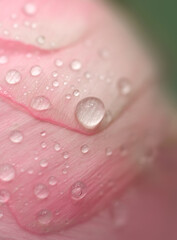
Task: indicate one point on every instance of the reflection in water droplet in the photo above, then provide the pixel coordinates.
(13, 77)
(30, 9)
(7, 172)
(36, 71)
(124, 86)
(4, 196)
(84, 148)
(40, 103)
(78, 190)
(76, 65)
(52, 181)
(41, 191)
(44, 163)
(76, 93)
(90, 112)
(16, 136)
(44, 217)
(108, 152)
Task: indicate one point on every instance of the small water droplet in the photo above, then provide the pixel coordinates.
(40, 40)
(65, 155)
(76, 93)
(41, 191)
(44, 163)
(13, 77)
(3, 59)
(78, 190)
(57, 147)
(55, 74)
(90, 112)
(124, 86)
(7, 172)
(43, 133)
(55, 83)
(30, 9)
(1, 214)
(16, 136)
(4, 196)
(52, 181)
(84, 148)
(68, 96)
(40, 103)
(108, 152)
(76, 65)
(36, 71)
(43, 145)
(44, 217)
(59, 63)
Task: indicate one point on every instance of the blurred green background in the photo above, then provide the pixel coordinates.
(159, 20)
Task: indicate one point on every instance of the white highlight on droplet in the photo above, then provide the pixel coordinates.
(76, 65)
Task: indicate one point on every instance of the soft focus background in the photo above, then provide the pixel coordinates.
(158, 19)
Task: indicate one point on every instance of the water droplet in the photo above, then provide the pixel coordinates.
(90, 112)
(119, 214)
(16, 136)
(76, 65)
(44, 217)
(84, 148)
(78, 190)
(105, 53)
(41, 191)
(57, 147)
(44, 163)
(43, 145)
(43, 134)
(76, 93)
(7, 172)
(40, 40)
(52, 181)
(65, 155)
(30, 9)
(36, 71)
(13, 77)
(55, 74)
(124, 86)
(3, 59)
(68, 96)
(1, 214)
(55, 83)
(58, 63)
(108, 152)
(40, 103)
(4, 196)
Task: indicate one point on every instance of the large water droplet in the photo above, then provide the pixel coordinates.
(44, 217)
(7, 172)
(41, 191)
(4, 196)
(78, 190)
(16, 136)
(90, 112)
(76, 65)
(36, 71)
(40, 103)
(30, 9)
(13, 77)
(84, 148)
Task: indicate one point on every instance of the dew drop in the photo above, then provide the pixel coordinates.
(40, 103)
(68, 96)
(59, 63)
(40, 40)
(76, 65)
(90, 112)
(1, 214)
(30, 9)
(84, 148)
(3, 59)
(44, 217)
(124, 86)
(36, 71)
(43, 145)
(65, 155)
(52, 181)
(7, 172)
(108, 152)
(119, 214)
(43, 134)
(76, 93)
(4, 196)
(44, 163)
(16, 136)
(13, 77)
(78, 190)
(55, 83)
(57, 147)
(41, 191)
